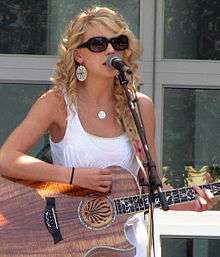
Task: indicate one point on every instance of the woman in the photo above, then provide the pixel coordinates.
(85, 110)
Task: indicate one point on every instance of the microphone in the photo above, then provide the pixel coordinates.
(115, 62)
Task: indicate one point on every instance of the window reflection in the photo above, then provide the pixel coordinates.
(192, 29)
(35, 27)
(15, 102)
(23, 27)
(191, 152)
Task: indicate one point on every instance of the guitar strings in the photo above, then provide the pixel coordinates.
(73, 215)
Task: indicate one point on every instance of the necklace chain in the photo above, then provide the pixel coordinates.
(101, 114)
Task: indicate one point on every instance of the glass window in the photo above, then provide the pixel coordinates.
(191, 142)
(15, 102)
(35, 27)
(23, 27)
(190, 247)
(192, 29)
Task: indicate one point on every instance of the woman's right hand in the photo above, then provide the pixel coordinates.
(93, 178)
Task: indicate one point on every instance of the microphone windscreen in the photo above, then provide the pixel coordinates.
(111, 58)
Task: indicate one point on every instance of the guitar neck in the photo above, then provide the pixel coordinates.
(138, 203)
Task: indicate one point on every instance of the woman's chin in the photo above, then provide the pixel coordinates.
(111, 73)
(106, 73)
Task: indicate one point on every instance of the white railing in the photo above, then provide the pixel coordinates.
(186, 224)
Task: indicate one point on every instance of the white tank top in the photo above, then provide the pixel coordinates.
(81, 149)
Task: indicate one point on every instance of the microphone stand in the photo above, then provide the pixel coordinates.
(150, 178)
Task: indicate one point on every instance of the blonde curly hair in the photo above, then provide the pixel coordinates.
(64, 79)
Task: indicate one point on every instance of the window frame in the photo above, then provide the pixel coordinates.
(177, 73)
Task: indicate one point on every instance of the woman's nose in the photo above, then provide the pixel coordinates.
(110, 49)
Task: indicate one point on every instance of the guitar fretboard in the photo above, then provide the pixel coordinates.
(138, 203)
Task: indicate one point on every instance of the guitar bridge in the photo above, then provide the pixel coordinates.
(50, 220)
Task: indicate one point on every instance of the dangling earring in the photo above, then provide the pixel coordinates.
(81, 72)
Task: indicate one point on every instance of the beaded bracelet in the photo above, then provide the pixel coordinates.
(72, 173)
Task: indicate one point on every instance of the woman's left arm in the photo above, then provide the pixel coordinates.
(205, 199)
(148, 117)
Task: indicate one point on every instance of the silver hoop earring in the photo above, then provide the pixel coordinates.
(81, 73)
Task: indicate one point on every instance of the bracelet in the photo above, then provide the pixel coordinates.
(72, 173)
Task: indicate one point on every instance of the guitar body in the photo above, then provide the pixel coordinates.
(87, 220)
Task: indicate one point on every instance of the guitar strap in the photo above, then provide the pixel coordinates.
(135, 140)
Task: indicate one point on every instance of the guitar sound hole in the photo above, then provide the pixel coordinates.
(96, 212)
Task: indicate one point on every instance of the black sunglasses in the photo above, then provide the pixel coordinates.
(99, 44)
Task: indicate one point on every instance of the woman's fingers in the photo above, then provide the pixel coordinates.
(105, 178)
(94, 179)
(205, 199)
(201, 204)
(104, 172)
(103, 189)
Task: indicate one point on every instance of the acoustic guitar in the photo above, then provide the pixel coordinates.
(48, 219)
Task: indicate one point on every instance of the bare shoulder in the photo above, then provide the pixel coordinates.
(41, 116)
(148, 118)
(145, 103)
(49, 105)
(51, 99)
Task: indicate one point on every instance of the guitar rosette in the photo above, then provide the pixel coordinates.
(96, 212)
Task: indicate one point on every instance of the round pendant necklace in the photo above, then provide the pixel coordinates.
(102, 115)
